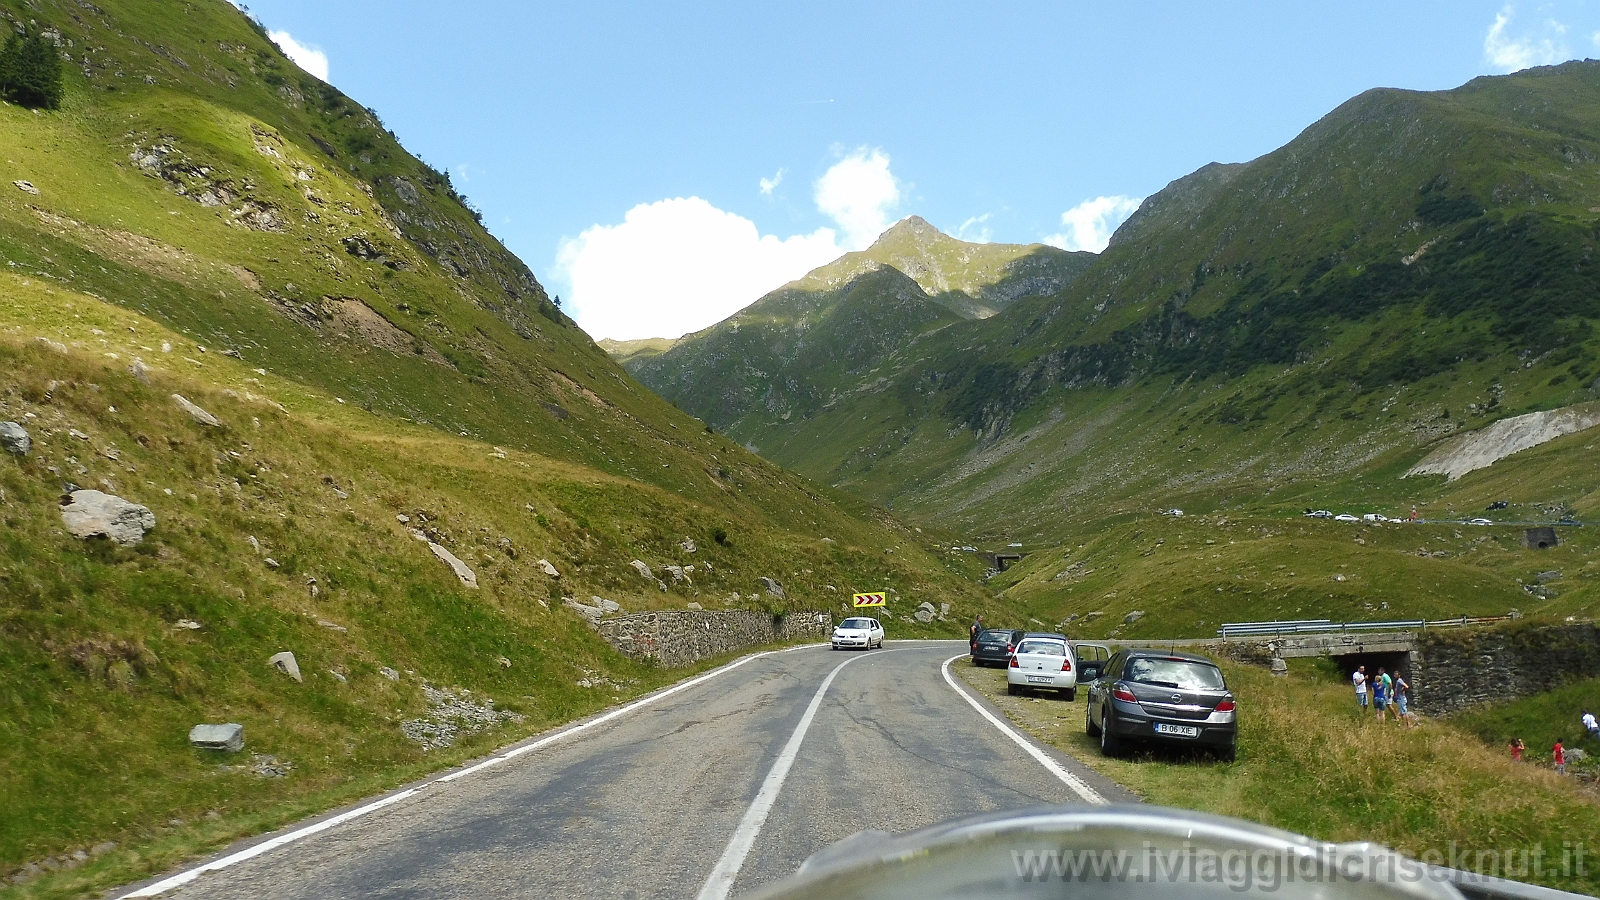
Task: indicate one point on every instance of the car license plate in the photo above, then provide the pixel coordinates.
(1041, 679)
(1177, 730)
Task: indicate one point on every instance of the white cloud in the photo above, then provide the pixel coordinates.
(312, 59)
(860, 193)
(1089, 224)
(1509, 54)
(679, 265)
(974, 230)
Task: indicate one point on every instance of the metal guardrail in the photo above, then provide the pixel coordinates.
(1324, 626)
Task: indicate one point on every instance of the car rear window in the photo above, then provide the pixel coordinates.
(1183, 674)
(1003, 637)
(1047, 648)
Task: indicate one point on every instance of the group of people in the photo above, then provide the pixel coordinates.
(1389, 694)
(1558, 750)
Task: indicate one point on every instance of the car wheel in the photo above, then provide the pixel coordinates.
(1231, 753)
(1089, 727)
(1072, 695)
(1013, 690)
(1110, 744)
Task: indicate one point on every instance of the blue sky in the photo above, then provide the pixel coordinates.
(660, 165)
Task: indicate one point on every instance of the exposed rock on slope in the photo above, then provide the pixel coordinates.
(1486, 446)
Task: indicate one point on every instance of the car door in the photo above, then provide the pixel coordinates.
(1102, 686)
(1091, 660)
(877, 632)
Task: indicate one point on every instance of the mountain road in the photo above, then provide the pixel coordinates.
(709, 789)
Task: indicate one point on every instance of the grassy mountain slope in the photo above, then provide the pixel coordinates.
(202, 218)
(1293, 331)
(806, 345)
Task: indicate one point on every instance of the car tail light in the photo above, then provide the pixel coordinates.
(1122, 693)
(1014, 663)
(1225, 706)
(1066, 665)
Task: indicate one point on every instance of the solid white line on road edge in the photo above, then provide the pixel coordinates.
(1089, 794)
(183, 878)
(720, 881)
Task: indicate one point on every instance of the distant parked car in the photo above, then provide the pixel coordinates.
(1043, 661)
(858, 631)
(1374, 517)
(1480, 521)
(1318, 514)
(1498, 504)
(1162, 695)
(994, 646)
(1346, 517)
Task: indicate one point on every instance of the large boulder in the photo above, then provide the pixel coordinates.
(97, 514)
(774, 587)
(925, 613)
(195, 412)
(462, 570)
(286, 663)
(14, 439)
(228, 738)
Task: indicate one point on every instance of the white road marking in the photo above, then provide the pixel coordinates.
(183, 878)
(720, 881)
(1089, 794)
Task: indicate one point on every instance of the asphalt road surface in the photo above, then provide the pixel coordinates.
(719, 787)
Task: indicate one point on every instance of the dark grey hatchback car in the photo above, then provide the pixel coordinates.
(1162, 695)
(994, 646)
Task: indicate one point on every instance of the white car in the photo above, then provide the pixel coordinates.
(859, 631)
(1346, 517)
(1041, 662)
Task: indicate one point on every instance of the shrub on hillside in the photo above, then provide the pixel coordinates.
(30, 72)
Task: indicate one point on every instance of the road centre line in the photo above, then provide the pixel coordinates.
(183, 878)
(720, 881)
(1076, 784)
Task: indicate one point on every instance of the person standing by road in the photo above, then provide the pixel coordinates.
(1380, 694)
(974, 631)
(1359, 679)
(1517, 746)
(1590, 726)
(1559, 754)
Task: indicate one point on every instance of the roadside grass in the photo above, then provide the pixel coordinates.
(1310, 763)
(1540, 720)
(99, 684)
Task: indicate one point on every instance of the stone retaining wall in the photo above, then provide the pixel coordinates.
(1456, 669)
(678, 637)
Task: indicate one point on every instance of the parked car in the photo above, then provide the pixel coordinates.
(1480, 521)
(1162, 695)
(1374, 517)
(1346, 517)
(1318, 514)
(994, 646)
(1042, 661)
(858, 631)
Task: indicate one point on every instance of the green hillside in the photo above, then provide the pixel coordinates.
(1260, 338)
(201, 218)
(814, 342)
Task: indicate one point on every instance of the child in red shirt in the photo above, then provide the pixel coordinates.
(1517, 746)
(1560, 754)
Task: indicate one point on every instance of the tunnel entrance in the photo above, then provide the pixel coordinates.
(1393, 661)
